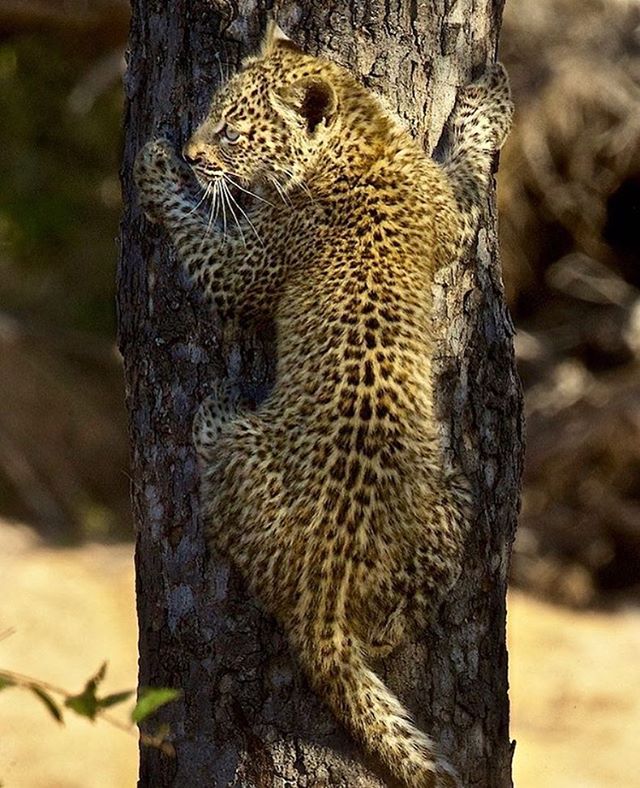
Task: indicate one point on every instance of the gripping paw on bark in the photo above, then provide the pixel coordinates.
(159, 175)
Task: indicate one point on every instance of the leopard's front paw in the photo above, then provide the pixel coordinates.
(158, 174)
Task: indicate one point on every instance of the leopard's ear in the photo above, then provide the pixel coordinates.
(313, 98)
(275, 38)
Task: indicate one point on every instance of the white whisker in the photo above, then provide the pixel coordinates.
(228, 197)
(247, 191)
(278, 187)
(249, 222)
(219, 184)
(212, 214)
(201, 200)
(296, 182)
(216, 202)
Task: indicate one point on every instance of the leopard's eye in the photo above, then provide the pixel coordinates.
(229, 134)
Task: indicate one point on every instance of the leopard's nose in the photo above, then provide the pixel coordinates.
(193, 153)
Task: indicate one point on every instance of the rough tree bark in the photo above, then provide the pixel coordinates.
(247, 717)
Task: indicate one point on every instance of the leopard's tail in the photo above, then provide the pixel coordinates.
(338, 672)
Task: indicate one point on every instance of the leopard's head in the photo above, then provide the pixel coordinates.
(270, 121)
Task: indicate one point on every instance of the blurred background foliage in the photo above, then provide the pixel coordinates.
(60, 193)
(60, 116)
(569, 194)
(63, 455)
(569, 198)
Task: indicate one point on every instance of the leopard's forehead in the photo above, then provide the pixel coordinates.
(248, 92)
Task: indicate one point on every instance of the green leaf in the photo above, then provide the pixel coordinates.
(86, 704)
(102, 672)
(151, 699)
(112, 700)
(5, 682)
(48, 701)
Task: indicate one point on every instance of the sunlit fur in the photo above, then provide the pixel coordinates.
(332, 499)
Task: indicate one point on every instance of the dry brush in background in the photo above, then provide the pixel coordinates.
(570, 224)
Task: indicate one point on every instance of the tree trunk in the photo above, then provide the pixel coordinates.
(247, 717)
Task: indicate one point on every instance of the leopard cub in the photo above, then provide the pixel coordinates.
(332, 498)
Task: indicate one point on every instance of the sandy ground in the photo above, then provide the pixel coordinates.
(575, 677)
(71, 610)
(575, 695)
